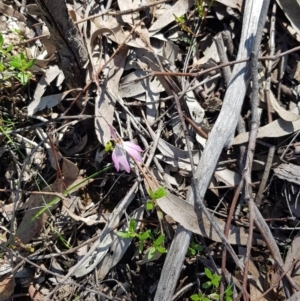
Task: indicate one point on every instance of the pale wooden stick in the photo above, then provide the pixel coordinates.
(219, 138)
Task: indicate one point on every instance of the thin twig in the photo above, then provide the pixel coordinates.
(124, 12)
(265, 176)
(197, 74)
(252, 138)
(42, 268)
(270, 63)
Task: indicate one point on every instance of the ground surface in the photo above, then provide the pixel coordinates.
(95, 168)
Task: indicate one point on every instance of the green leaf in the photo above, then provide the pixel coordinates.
(214, 296)
(208, 273)
(195, 297)
(141, 246)
(125, 234)
(192, 251)
(161, 250)
(229, 291)
(206, 284)
(16, 63)
(151, 252)
(1, 40)
(9, 48)
(29, 64)
(159, 240)
(149, 205)
(216, 280)
(151, 194)
(23, 78)
(159, 193)
(144, 235)
(179, 19)
(198, 248)
(132, 226)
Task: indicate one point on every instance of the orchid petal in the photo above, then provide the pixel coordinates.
(115, 159)
(133, 150)
(112, 132)
(119, 158)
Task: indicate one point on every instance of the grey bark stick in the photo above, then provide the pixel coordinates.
(67, 40)
(220, 137)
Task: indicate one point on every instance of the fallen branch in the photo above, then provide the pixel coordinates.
(220, 137)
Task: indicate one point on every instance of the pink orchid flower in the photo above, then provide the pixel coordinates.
(122, 150)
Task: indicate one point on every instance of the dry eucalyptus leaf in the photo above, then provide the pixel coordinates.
(32, 225)
(275, 129)
(227, 176)
(284, 114)
(70, 171)
(136, 88)
(184, 213)
(51, 73)
(196, 111)
(105, 102)
(8, 11)
(295, 297)
(165, 48)
(147, 58)
(101, 246)
(292, 254)
(119, 246)
(207, 54)
(49, 101)
(7, 286)
(147, 89)
(127, 5)
(232, 3)
(74, 138)
(291, 9)
(114, 31)
(180, 163)
(256, 283)
(179, 8)
(87, 220)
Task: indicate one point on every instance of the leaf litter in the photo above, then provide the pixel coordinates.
(63, 202)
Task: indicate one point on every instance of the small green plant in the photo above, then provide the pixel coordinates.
(4, 52)
(213, 284)
(157, 243)
(214, 279)
(21, 64)
(154, 195)
(228, 293)
(157, 194)
(60, 237)
(131, 233)
(193, 249)
(199, 297)
(16, 66)
(181, 23)
(201, 9)
(157, 246)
